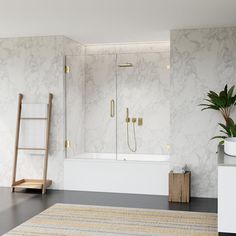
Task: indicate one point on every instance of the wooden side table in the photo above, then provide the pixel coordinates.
(179, 186)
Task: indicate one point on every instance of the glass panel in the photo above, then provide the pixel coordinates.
(91, 111)
(100, 96)
(118, 104)
(75, 105)
(143, 115)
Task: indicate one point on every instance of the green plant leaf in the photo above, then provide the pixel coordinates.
(215, 137)
(209, 106)
(213, 93)
(226, 128)
(232, 127)
(226, 88)
(221, 142)
(231, 90)
(222, 131)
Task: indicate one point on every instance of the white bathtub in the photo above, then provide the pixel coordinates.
(130, 173)
(122, 157)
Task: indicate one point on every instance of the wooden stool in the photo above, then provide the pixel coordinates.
(179, 186)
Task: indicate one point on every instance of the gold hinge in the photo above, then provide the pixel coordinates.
(67, 69)
(67, 143)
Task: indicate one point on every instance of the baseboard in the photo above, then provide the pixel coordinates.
(225, 234)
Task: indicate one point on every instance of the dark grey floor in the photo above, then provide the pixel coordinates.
(15, 208)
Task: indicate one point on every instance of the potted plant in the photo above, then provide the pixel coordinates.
(224, 102)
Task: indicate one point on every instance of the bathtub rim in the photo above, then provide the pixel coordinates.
(164, 158)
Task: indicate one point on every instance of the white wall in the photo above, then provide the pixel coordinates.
(201, 60)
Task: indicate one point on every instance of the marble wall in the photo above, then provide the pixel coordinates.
(143, 88)
(33, 66)
(201, 60)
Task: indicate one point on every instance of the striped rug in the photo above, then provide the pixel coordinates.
(67, 219)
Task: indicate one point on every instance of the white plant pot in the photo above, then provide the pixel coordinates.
(230, 146)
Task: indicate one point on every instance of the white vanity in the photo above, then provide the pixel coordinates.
(226, 192)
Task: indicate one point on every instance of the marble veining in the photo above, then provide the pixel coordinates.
(201, 60)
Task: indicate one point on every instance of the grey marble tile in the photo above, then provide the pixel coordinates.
(201, 60)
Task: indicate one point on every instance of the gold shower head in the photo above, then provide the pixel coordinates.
(126, 65)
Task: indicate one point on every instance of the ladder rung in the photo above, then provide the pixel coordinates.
(33, 118)
(36, 149)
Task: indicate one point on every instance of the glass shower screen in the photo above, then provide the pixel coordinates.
(117, 106)
(90, 87)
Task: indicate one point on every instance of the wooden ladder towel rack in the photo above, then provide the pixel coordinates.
(32, 183)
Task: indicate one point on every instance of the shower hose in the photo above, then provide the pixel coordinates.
(134, 149)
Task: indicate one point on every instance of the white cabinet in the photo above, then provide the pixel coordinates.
(227, 199)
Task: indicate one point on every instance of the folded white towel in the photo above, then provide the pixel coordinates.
(180, 169)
